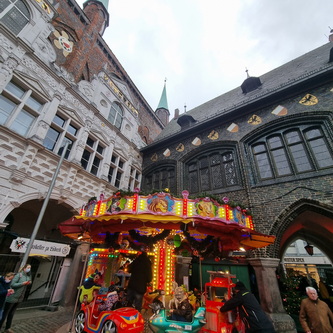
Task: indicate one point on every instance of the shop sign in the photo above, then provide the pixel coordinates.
(307, 260)
(40, 247)
(294, 259)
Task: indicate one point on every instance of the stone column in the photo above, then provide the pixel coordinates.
(77, 269)
(48, 114)
(269, 293)
(6, 71)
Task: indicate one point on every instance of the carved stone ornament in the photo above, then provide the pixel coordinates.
(17, 176)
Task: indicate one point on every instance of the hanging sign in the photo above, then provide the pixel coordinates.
(40, 247)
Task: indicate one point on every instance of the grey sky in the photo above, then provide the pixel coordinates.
(203, 47)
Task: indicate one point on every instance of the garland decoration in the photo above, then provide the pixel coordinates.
(149, 240)
(200, 246)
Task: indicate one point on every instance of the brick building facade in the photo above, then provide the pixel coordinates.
(268, 146)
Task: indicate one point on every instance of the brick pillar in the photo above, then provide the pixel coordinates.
(269, 293)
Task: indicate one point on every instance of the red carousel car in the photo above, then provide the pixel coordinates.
(91, 319)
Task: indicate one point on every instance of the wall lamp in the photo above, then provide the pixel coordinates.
(309, 249)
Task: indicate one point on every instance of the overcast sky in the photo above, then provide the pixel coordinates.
(202, 47)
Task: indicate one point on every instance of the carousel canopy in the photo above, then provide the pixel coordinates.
(232, 226)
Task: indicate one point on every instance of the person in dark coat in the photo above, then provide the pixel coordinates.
(141, 275)
(254, 318)
(5, 289)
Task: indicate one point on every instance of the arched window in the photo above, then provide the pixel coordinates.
(292, 151)
(116, 115)
(212, 170)
(14, 15)
(161, 178)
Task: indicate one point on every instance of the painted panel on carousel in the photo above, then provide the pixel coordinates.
(205, 208)
(160, 203)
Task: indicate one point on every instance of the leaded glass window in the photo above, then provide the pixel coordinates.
(161, 178)
(209, 171)
(292, 151)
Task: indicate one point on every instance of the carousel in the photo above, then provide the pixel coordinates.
(117, 226)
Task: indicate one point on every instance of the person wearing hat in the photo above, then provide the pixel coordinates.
(253, 316)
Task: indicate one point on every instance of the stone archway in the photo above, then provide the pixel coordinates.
(24, 217)
(308, 219)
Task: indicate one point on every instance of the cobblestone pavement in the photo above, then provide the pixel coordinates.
(40, 321)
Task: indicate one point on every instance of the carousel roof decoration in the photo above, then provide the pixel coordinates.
(101, 220)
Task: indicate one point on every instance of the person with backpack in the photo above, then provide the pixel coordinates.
(19, 283)
(253, 316)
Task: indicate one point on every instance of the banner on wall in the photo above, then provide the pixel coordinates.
(40, 247)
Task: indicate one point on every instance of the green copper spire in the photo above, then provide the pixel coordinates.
(163, 104)
(105, 3)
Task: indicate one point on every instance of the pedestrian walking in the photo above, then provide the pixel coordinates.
(141, 275)
(253, 316)
(19, 283)
(5, 289)
(315, 316)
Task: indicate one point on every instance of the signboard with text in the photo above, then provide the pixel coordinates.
(40, 247)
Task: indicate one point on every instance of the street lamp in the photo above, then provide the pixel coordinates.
(309, 249)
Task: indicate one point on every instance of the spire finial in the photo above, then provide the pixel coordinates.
(247, 72)
(163, 104)
(184, 107)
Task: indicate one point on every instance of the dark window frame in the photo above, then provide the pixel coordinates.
(299, 151)
(212, 171)
(161, 177)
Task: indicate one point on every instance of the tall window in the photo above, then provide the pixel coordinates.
(211, 171)
(161, 178)
(14, 14)
(134, 180)
(116, 170)
(116, 115)
(92, 156)
(19, 108)
(61, 128)
(292, 151)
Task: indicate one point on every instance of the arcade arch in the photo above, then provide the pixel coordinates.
(306, 219)
(311, 222)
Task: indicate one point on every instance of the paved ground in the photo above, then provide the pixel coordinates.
(42, 321)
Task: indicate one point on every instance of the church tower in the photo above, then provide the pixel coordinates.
(162, 111)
